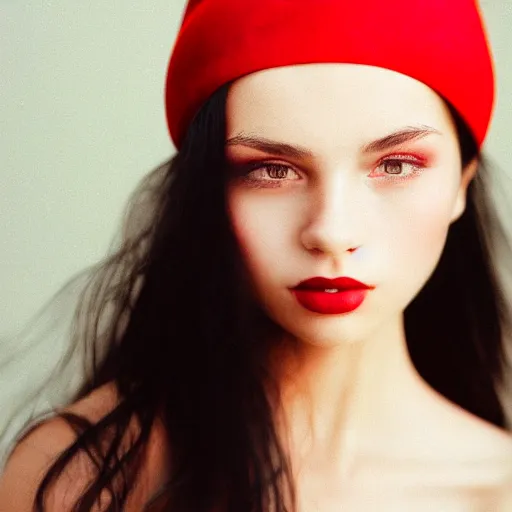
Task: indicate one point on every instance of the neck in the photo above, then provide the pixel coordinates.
(339, 401)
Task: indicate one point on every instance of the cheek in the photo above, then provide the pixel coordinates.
(252, 231)
(263, 228)
(431, 216)
(416, 242)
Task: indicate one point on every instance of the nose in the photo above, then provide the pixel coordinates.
(334, 219)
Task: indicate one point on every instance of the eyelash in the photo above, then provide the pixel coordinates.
(245, 171)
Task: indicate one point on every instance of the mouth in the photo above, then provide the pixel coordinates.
(331, 296)
(339, 284)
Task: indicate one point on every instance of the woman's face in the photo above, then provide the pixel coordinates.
(369, 190)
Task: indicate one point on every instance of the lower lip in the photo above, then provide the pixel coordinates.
(331, 303)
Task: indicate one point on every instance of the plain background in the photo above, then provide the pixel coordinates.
(81, 109)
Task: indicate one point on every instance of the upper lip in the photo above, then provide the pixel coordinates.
(339, 283)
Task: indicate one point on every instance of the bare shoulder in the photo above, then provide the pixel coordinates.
(506, 499)
(463, 433)
(483, 439)
(40, 448)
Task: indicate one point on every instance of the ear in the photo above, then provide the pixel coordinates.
(468, 173)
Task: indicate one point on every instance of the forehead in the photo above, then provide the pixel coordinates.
(345, 104)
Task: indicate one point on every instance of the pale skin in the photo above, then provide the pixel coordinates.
(363, 430)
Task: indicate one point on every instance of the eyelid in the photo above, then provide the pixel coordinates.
(411, 157)
(257, 165)
(263, 163)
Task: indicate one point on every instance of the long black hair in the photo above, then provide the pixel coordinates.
(185, 340)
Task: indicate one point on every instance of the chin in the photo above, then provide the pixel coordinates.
(327, 336)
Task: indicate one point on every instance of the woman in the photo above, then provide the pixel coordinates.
(311, 320)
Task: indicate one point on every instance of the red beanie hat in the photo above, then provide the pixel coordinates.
(441, 43)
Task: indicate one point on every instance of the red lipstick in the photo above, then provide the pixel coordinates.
(331, 296)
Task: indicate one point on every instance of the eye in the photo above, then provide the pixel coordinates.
(275, 171)
(399, 168)
(267, 174)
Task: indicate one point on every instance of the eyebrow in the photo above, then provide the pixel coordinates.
(397, 138)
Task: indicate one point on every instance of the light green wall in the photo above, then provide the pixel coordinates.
(81, 104)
